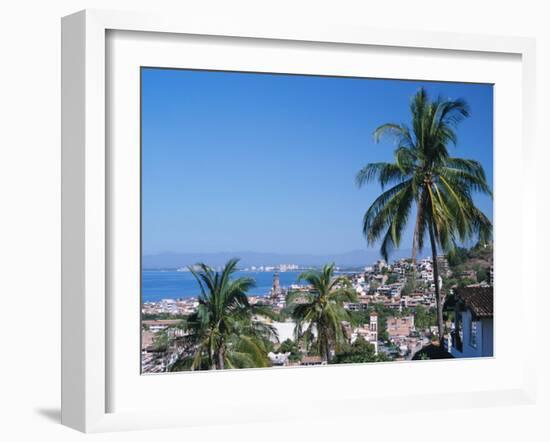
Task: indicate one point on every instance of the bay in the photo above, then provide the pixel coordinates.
(158, 284)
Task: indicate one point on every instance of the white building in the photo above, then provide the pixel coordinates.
(278, 359)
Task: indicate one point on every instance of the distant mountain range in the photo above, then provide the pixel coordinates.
(348, 259)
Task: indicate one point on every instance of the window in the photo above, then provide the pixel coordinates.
(473, 334)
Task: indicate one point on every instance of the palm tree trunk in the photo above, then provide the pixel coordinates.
(415, 240)
(438, 299)
(324, 350)
(220, 359)
(416, 234)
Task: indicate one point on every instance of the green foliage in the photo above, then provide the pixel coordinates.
(295, 357)
(424, 318)
(222, 332)
(278, 316)
(382, 311)
(161, 341)
(457, 256)
(323, 310)
(405, 311)
(268, 345)
(289, 346)
(478, 259)
(423, 172)
(409, 287)
(482, 274)
(359, 352)
(426, 177)
(463, 282)
(359, 318)
(160, 316)
(383, 335)
(449, 283)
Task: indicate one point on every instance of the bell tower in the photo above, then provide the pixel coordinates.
(373, 328)
(276, 289)
(373, 322)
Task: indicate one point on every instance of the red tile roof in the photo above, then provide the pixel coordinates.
(478, 299)
(311, 360)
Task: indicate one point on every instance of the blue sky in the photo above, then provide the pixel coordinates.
(256, 162)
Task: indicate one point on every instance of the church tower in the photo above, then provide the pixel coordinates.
(373, 322)
(373, 328)
(276, 289)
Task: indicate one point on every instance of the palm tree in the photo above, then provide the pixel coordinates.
(424, 175)
(321, 310)
(223, 332)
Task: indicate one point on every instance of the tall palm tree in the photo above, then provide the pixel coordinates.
(321, 310)
(424, 175)
(223, 332)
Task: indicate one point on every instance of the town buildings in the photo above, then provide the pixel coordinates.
(396, 290)
(400, 326)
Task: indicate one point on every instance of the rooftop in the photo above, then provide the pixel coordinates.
(166, 322)
(311, 360)
(478, 299)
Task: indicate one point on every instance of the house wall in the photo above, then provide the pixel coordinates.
(400, 326)
(484, 335)
(487, 325)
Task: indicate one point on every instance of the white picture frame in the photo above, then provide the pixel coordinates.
(86, 205)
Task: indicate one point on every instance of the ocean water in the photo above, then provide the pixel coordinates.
(157, 284)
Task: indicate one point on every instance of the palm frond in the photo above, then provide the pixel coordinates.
(385, 173)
